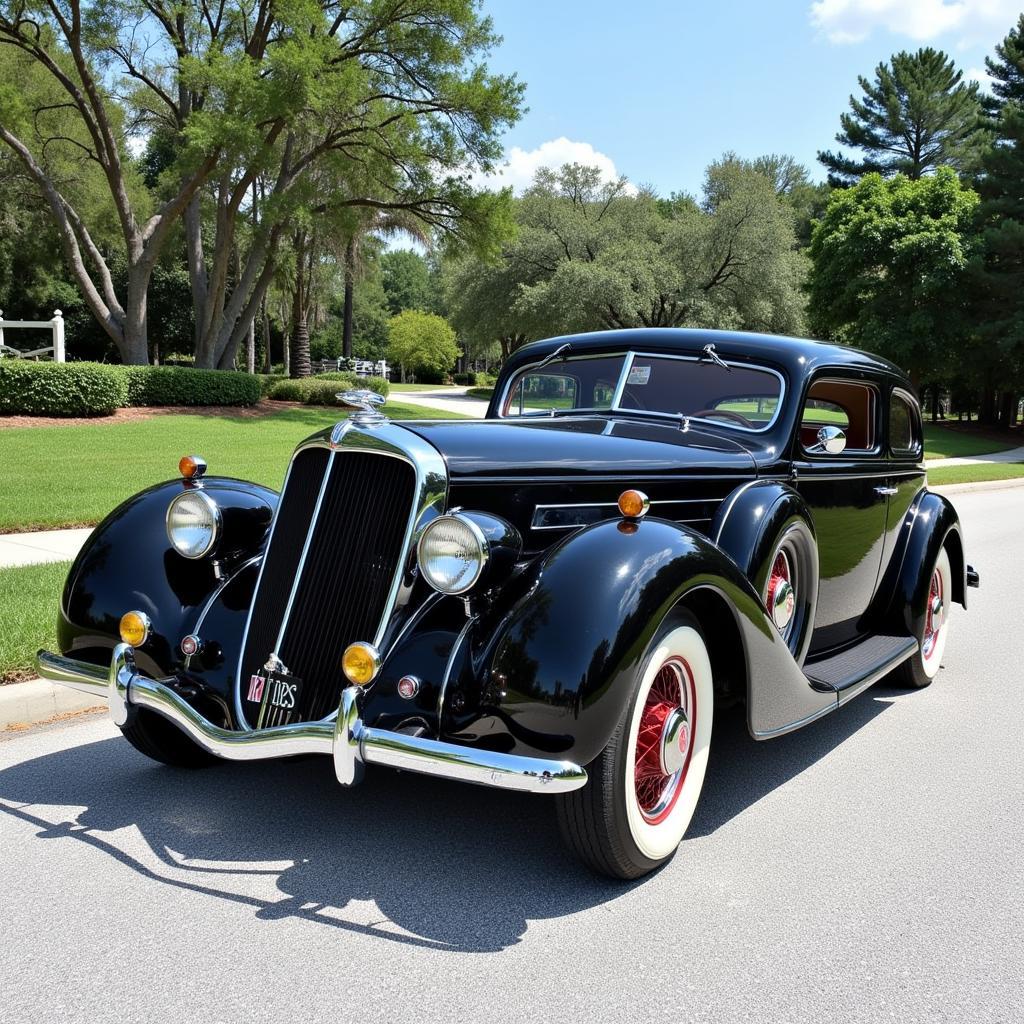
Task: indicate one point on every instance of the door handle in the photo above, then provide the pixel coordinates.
(886, 492)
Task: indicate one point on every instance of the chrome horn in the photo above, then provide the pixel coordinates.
(367, 403)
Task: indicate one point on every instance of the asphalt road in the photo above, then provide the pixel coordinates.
(868, 868)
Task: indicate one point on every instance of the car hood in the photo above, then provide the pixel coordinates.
(579, 447)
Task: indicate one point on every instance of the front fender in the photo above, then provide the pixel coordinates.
(567, 655)
(128, 563)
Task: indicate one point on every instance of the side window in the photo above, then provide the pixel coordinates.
(904, 426)
(848, 405)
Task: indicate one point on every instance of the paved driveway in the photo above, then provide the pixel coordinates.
(868, 868)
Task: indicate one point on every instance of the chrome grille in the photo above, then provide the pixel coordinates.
(307, 608)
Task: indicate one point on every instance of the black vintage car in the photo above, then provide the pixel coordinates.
(648, 525)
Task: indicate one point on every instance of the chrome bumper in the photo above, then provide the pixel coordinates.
(351, 743)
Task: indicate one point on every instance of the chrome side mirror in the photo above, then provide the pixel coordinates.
(831, 441)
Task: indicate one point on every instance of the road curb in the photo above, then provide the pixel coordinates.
(37, 701)
(980, 485)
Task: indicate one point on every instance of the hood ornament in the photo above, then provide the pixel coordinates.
(367, 405)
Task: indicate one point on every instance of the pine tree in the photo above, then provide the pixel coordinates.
(916, 115)
(1001, 215)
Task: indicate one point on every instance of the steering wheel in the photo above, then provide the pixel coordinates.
(726, 414)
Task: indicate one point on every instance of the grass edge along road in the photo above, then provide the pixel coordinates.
(29, 596)
(975, 474)
(56, 476)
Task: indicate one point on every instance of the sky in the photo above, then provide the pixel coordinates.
(656, 90)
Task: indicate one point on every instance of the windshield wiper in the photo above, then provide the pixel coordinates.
(559, 352)
(709, 351)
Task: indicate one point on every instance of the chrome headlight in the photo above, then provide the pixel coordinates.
(193, 524)
(452, 553)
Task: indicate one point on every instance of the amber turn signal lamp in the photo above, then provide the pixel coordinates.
(192, 467)
(134, 628)
(634, 504)
(360, 663)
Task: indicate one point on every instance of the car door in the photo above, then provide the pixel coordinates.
(847, 495)
(905, 475)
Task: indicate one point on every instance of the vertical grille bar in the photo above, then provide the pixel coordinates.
(352, 551)
(281, 563)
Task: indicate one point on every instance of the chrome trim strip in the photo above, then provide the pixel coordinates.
(351, 743)
(212, 600)
(239, 713)
(806, 474)
(300, 568)
(732, 501)
(456, 647)
(620, 384)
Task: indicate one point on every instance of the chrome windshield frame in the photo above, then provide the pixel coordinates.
(628, 358)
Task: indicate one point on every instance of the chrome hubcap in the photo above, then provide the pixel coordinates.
(781, 597)
(675, 742)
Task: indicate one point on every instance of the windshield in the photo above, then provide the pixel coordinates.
(736, 395)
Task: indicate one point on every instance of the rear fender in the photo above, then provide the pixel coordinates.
(563, 663)
(930, 524)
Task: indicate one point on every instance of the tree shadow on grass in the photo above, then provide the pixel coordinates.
(448, 866)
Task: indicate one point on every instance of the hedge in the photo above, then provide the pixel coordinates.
(60, 389)
(181, 385)
(324, 388)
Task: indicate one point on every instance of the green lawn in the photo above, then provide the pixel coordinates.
(948, 443)
(28, 610)
(422, 387)
(73, 476)
(975, 474)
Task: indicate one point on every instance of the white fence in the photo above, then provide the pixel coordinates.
(54, 326)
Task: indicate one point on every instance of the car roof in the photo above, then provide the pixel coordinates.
(800, 356)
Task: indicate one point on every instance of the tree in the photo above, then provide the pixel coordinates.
(591, 255)
(1001, 217)
(890, 270)
(408, 281)
(917, 114)
(422, 342)
(392, 100)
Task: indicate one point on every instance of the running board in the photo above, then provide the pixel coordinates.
(860, 666)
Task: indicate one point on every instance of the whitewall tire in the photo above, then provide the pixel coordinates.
(644, 787)
(924, 666)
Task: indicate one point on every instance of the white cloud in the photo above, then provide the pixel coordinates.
(522, 164)
(852, 21)
(981, 76)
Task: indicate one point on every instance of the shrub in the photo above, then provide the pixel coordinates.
(324, 389)
(179, 385)
(353, 380)
(268, 380)
(60, 389)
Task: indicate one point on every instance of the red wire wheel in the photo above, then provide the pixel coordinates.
(934, 616)
(664, 742)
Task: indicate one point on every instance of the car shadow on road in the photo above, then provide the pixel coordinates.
(448, 866)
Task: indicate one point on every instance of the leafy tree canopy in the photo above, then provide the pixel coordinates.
(422, 342)
(408, 281)
(890, 266)
(591, 254)
(917, 114)
(1001, 216)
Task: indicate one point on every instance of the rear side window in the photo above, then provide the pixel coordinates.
(848, 405)
(904, 425)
